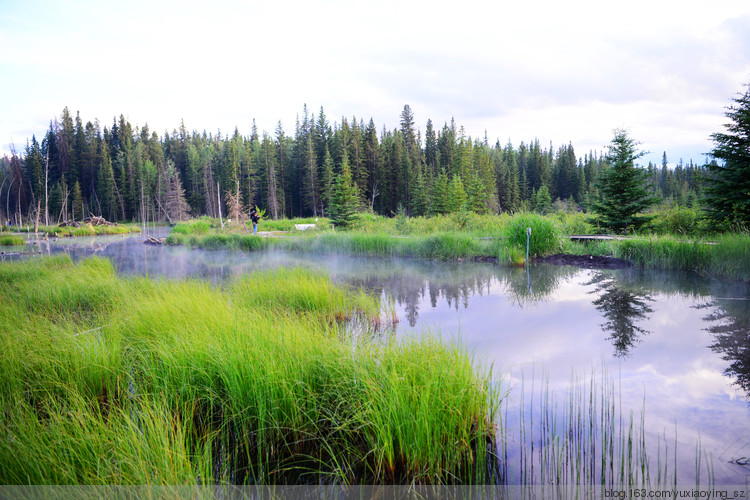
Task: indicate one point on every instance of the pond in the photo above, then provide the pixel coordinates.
(667, 351)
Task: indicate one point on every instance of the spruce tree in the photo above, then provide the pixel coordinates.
(623, 187)
(440, 188)
(476, 196)
(728, 192)
(542, 200)
(456, 194)
(344, 199)
(326, 181)
(78, 205)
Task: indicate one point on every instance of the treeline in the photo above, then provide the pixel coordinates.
(126, 173)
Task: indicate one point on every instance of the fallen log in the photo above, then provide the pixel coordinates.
(150, 240)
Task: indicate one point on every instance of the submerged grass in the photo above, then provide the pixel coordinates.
(107, 380)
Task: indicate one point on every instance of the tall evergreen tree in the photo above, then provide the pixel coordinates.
(78, 203)
(728, 192)
(327, 178)
(344, 199)
(456, 194)
(623, 188)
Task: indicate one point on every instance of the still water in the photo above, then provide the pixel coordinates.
(674, 348)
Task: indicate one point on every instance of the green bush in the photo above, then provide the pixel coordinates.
(677, 220)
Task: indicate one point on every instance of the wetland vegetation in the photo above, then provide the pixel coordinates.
(108, 380)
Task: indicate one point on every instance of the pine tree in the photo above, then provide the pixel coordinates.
(78, 208)
(623, 187)
(440, 189)
(476, 196)
(326, 181)
(107, 187)
(728, 192)
(344, 199)
(542, 200)
(456, 194)
(269, 169)
(419, 195)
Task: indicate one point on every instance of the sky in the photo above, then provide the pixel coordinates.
(561, 72)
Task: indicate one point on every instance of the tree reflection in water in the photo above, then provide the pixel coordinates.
(731, 330)
(621, 308)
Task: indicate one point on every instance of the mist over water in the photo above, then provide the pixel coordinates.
(675, 345)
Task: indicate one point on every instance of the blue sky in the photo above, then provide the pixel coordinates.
(561, 72)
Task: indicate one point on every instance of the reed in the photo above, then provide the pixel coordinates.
(667, 253)
(585, 437)
(727, 256)
(731, 256)
(106, 380)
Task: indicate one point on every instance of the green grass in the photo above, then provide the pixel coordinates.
(106, 380)
(84, 230)
(11, 240)
(200, 225)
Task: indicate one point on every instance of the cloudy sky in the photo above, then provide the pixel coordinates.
(561, 72)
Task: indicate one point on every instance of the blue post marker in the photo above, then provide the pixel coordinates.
(528, 238)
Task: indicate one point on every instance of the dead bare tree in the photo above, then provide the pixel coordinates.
(375, 193)
(234, 206)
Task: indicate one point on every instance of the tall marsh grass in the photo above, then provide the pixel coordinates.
(545, 237)
(726, 256)
(105, 380)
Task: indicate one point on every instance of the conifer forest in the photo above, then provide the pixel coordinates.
(126, 172)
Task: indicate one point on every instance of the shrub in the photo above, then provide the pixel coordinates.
(677, 220)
